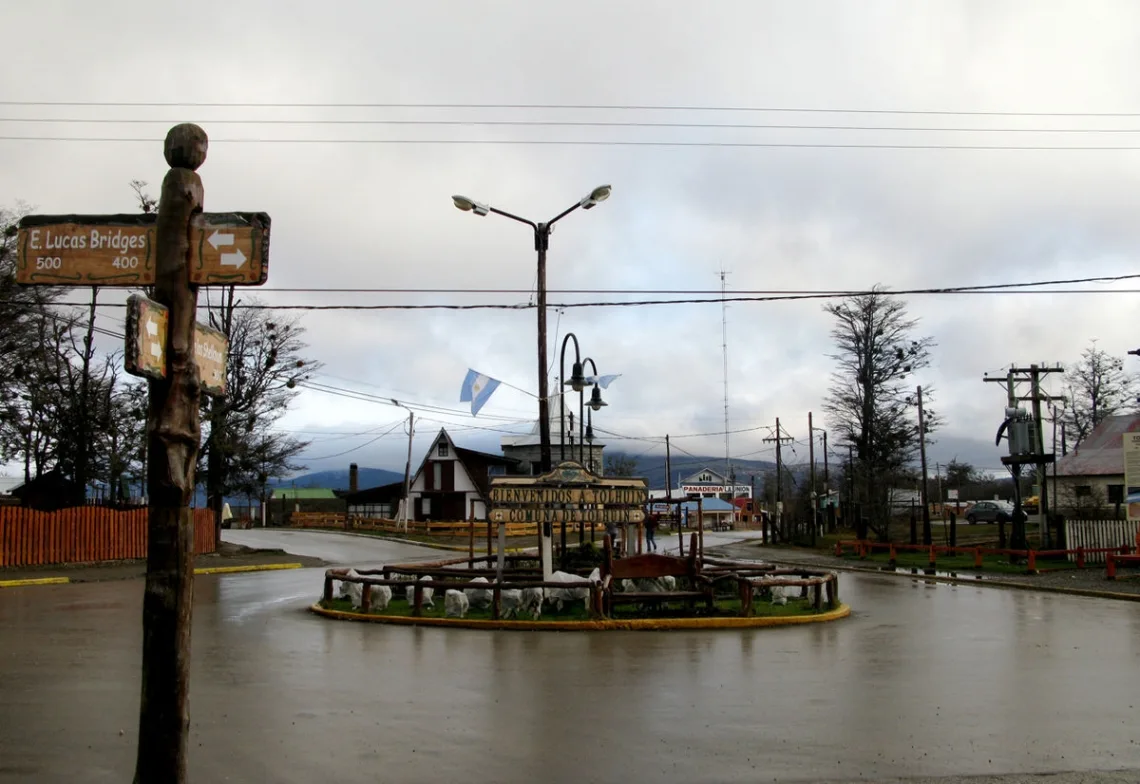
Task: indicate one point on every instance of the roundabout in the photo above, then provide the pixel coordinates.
(648, 592)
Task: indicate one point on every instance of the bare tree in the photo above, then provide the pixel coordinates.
(264, 365)
(876, 352)
(1097, 387)
(620, 465)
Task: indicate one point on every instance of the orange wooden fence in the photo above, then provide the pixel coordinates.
(83, 534)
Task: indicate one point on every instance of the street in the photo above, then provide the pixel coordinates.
(923, 680)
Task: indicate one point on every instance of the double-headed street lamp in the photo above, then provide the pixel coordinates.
(541, 242)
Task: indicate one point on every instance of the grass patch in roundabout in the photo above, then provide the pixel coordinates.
(725, 614)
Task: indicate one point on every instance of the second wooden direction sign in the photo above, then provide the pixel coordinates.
(228, 248)
(145, 354)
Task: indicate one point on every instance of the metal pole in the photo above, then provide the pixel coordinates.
(811, 493)
(927, 535)
(779, 527)
(541, 242)
(403, 522)
(174, 434)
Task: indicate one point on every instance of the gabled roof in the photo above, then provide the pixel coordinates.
(1102, 451)
(718, 477)
(381, 494)
(710, 505)
(475, 463)
(299, 493)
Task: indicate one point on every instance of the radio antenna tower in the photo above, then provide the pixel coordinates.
(729, 474)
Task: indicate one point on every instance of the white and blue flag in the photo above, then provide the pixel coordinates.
(602, 381)
(477, 390)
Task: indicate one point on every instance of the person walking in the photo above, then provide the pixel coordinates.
(651, 532)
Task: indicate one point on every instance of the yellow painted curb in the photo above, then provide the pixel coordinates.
(634, 624)
(253, 568)
(34, 581)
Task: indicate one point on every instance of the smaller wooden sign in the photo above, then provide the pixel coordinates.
(145, 352)
(210, 352)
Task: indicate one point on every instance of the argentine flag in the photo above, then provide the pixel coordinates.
(602, 381)
(477, 389)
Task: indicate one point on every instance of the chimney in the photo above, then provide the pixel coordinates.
(353, 478)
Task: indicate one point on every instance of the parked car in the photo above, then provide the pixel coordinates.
(990, 512)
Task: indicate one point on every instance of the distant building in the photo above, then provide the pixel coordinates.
(453, 483)
(284, 501)
(708, 483)
(1091, 477)
(526, 450)
(49, 491)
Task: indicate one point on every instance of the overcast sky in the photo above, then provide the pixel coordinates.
(355, 215)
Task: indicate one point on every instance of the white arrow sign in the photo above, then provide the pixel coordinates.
(217, 240)
(151, 328)
(155, 349)
(235, 259)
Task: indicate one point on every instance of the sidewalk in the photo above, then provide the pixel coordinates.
(228, 556)
(1090, 581)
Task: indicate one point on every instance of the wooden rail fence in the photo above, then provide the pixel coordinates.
(84, 534)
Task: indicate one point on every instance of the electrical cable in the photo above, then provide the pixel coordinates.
(566, 106)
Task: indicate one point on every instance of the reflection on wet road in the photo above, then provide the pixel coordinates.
(923, 679)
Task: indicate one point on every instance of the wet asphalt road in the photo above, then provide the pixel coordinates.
(923, 680)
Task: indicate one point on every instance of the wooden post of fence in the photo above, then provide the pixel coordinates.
(978, 557)
(894, 555)
(1109, 566)
(471, 543)
(1080, 558)
(700, 528)
(1031, 565)
(365, 597)
(173, 437)
(490, 537)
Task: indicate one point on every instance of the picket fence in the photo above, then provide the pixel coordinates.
(1099, 534)
(84, 534)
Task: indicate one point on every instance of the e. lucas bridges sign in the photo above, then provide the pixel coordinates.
(569, 493)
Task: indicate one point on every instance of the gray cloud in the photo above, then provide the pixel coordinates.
(375, 216)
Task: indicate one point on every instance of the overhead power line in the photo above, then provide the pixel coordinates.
(567, 106)
(1026, 287)
(554, 124)
(604, 143)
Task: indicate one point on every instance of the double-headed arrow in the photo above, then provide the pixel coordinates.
(219, 239)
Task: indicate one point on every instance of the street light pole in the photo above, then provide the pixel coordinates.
(402, 523)
(541, 243)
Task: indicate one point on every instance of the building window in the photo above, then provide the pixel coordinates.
(496, 470)
(437, 475)
(442, 451)
(1116, 494)
(425, 506)
(704, 478)
(1082, 491)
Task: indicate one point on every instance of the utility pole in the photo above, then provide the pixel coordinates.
(402, 523)
(779, 439)
(811, 471)
(668, 472)
(927, 536)
(1033, 374)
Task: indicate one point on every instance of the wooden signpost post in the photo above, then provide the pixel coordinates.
(174, 251)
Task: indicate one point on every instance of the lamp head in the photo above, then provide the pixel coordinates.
(596, 401)
(577, 380)
(469, 205)
(598, 195)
